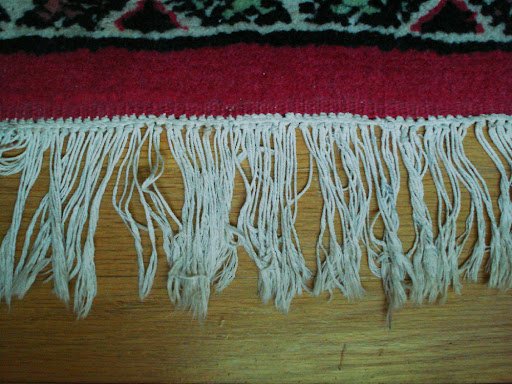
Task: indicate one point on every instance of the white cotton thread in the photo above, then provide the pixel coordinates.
(201, 245)
(56, 199)
(157, 212)
(268, 215)
(69, 210)
(448, 244)
(33, 258)
(29, 164)
(395, 266)
(203, 253)
(338, 266)
(112, 148)
(480, 203)
(500, 261)
(423, 252)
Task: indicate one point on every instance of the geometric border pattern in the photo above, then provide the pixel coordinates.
(442, 25)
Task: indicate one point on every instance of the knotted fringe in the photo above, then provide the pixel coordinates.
(357, 160)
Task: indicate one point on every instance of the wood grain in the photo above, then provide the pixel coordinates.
(466, 340)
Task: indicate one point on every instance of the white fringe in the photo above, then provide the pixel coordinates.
(341, 262)
(267, 218)
(203, 253)
(356, 159)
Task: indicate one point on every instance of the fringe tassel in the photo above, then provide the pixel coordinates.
(268, 216)
(382, 168)
(342, 260)
(203, 253)
(156, 210)
(500, 261)
(423, 252)
(67, 215)
(356, 159)
(28, 163)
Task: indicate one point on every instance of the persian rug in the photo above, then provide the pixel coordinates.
(226, 88)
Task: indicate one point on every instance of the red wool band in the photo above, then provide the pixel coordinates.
(254, 79)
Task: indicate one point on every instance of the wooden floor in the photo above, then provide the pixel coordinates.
(466, 340)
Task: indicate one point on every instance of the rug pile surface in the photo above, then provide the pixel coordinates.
(226, 88)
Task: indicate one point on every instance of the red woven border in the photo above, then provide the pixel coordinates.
(248, 79)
